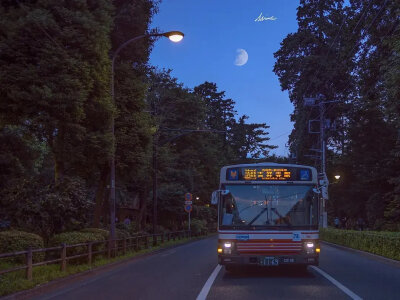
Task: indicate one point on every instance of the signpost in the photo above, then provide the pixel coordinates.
(188, 205)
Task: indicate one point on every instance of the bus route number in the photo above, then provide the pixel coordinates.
(296, 236)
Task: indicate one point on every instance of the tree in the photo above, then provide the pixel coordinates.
(53, 80)
(132, 124)
(349, 53)
(248, 140)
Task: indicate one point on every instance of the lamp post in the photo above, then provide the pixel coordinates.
(174, 36)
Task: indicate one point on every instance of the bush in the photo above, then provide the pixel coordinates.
(122, 234)
(381, 243)
(103, 232)
(46, 208)
(77, 237)
(197, 226)
(13, 240)
(131, 228)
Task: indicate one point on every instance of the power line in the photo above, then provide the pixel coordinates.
(348, 85)
(43, 30)
(280, 135)
(329, 50)
(339, 32)
(393, 27)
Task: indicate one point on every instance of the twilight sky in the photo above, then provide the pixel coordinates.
(214, 31)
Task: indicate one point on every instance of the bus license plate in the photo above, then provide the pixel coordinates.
(270, 261)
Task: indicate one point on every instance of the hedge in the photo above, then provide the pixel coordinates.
(14, 240)
(386, 244)
(78, 237)
(103, 232)
(120, 233)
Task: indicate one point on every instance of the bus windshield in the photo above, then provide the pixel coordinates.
(265, 206)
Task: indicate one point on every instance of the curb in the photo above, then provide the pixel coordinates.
(367, 254)
(51, 285)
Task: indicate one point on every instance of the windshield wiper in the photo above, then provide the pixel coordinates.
(280, 216)
(252, 221)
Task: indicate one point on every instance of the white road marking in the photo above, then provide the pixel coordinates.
(337, 283)
(207, 286)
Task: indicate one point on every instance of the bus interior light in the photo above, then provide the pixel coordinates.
(318, 250)
(227, 244)
(219, 250)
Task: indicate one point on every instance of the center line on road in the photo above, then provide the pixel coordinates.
(337, 283)
(207, 286)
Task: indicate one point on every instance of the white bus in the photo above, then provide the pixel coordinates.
(267, 215)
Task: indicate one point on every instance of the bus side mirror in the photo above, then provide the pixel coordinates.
(317, 191)
(215, 197)
(216, 194)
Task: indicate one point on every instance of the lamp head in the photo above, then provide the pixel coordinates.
(174, 36)
(337, 177)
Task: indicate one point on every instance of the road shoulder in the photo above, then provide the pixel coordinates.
(74, 278)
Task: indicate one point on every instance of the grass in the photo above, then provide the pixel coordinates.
(383, 243)
(16, 281)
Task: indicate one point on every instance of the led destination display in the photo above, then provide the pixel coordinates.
(268, 174)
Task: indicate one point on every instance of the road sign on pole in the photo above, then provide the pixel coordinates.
(188, 208)
(188, 197)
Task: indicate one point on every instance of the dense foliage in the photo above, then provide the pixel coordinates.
(349, 54)
(56, 113)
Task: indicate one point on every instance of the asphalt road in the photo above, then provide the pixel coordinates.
(184, 273)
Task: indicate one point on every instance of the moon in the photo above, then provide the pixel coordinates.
(241, 57)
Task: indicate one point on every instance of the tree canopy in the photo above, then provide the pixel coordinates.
(349, 54)
(56, 112)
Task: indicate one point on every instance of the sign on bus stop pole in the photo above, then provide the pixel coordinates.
(188, 205)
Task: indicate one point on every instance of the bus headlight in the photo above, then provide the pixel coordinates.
(309, 247)
(228, 245)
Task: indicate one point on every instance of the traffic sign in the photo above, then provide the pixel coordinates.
(188, 197)
(188, 208)
(188, 202)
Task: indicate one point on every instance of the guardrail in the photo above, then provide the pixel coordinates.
(112, 248)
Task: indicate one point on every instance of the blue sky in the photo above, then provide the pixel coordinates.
(214, 30)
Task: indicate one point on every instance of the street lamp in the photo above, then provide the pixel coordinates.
(337, 177)
(174, 36)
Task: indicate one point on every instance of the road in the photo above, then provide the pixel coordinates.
(184, 273)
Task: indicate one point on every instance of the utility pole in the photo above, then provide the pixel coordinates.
(324, 182)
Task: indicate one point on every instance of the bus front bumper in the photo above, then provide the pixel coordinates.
(271, 260)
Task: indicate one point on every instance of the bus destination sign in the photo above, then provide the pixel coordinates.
(268, 174)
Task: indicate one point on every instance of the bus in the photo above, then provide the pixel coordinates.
(268, 215)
